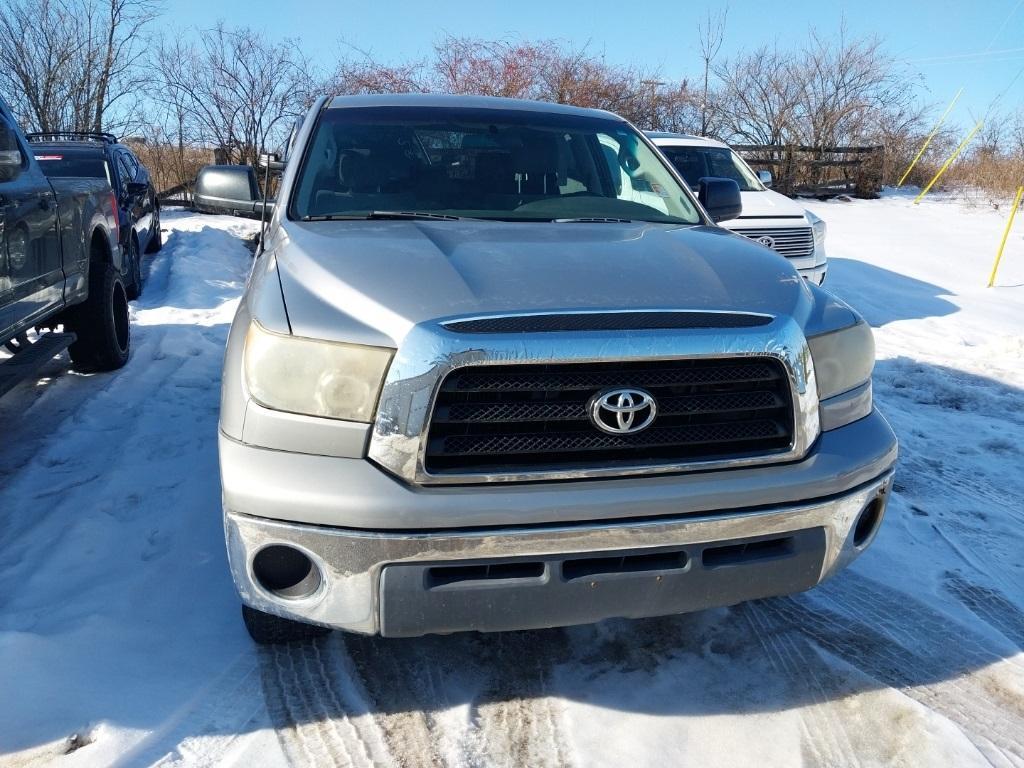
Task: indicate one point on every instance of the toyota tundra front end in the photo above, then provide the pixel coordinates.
(496, 368)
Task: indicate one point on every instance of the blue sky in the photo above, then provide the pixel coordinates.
(951, 43)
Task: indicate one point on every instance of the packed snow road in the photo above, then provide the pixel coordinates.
(121, 643)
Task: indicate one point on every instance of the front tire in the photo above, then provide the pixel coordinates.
(133, 278)
(101, 322)
(267, 629)
(156, 240)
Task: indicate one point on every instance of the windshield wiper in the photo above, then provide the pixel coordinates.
(412, 215)
(593, 220)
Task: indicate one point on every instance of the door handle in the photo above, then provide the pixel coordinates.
(44, 203)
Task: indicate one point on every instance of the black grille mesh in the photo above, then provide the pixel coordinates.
(510, 418)
(607, 321)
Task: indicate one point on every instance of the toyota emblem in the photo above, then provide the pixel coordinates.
(622, 411)
(767, 242)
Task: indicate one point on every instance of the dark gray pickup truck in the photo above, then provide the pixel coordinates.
(60, 265)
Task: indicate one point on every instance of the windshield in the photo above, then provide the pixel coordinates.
(510, 165)
(696, 162)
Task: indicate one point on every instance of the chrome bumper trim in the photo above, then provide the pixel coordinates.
(351, 560)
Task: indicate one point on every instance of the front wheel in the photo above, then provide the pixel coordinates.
(267, 629)
(156, 240)
(101, 322)
(133, 270)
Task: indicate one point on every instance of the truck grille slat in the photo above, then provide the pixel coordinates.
(794, 242)
(511, 418)
(576, 410)
(516, 381)
(696, 436)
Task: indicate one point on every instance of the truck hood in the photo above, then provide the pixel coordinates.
(371, 281)
(770, 204)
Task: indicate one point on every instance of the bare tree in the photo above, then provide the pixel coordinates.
(760, 95)
(234, 89)
(75, 64)
(712, 33)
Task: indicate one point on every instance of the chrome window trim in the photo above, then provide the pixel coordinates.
(430, 352)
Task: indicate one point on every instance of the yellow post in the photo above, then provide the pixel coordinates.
(928, 141)
(1006, 235)
(949, 162)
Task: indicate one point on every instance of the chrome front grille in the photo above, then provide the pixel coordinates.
(791, 242)
(514, 418)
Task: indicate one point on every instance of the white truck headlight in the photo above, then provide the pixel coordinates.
(818, 227)
(316, 378)
(843, 360)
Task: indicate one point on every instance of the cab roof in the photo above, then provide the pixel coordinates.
(666, 138)
(451, 101)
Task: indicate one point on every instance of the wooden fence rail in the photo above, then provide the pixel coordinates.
(819, 171)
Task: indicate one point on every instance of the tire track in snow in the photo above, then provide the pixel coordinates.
(399, 686)
(314, 717)
(990, 606)
(502, 678)
(515, 721)
(824, 739)
(908, 646)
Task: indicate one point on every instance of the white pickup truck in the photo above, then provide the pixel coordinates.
(771, 219)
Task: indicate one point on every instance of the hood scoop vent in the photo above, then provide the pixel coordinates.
(607, 321)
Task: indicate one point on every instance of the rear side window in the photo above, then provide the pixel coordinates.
(57, 165)
(127, 173)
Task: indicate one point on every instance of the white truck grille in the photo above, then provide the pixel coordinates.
(791, 242)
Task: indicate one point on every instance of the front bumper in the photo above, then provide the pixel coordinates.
(408, 584)
(378, 543)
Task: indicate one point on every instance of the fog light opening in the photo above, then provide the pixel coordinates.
(868, 522)
(286, 572)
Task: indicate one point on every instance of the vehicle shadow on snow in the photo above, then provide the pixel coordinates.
(883, 296)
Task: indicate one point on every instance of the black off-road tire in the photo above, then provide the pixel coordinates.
(156, 240)
(133, 270)
(267, 629)
(101, 322)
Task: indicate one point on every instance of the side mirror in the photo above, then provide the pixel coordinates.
(10, 165)
(137, 188)
(258, 207)
(270, 161)
(765, 177)
(720, 198)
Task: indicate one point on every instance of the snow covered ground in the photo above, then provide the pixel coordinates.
(121, 643)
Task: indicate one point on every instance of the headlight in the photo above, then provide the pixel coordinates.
(843, 359)
(316, 378)
(817, 227)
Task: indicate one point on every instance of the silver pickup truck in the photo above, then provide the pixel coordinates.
(497, 368)
(60, 265)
